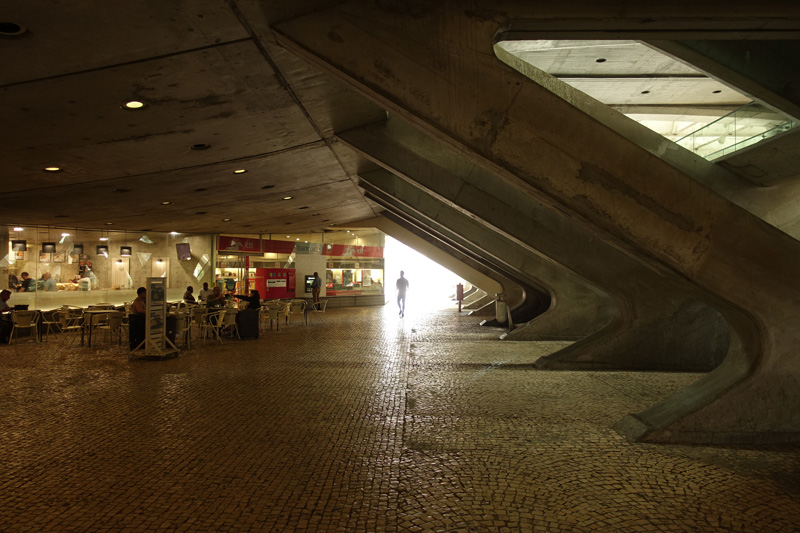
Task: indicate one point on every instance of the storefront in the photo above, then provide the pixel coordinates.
(350, 264)
(84, 267)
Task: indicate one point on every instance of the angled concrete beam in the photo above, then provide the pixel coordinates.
(427, 247)
(646, 308)
(531, 300)
(435, 67)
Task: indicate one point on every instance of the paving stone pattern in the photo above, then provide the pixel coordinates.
(367, 422)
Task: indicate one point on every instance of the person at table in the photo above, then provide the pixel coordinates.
(188, 296)
(49, 282)
(5, 316)
(253, 301)
(204, 293)
(27, 284)
(136, 320)
(215, 299)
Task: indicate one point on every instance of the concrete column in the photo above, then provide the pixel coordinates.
(435, 67)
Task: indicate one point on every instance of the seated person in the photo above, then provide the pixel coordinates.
(215, 299)
(136, 320)
(5, 316)
(253, 301)
(27, 283)
(49, 282)
(188, 296)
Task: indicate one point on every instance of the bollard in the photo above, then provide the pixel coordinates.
(459, 295)
(500, 310)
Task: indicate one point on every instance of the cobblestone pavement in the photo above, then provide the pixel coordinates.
(367, 422)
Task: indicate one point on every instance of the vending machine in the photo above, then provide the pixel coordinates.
(275, 283)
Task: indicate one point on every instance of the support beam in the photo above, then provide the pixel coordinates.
(646, 311)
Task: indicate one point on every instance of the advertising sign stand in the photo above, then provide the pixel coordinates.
(156, 343)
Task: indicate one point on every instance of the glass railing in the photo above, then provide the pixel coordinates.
(744, 127)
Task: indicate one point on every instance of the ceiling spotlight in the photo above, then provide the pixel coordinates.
(65, 234)
(166, 203)
(287, 197)
(239, 171)
(53, 169)
(19, 229)
(109, 223)
(174, 233)
(226, 220)
(288, 237)
(133, 104)
(103, 238)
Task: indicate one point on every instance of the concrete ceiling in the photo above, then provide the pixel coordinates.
(220, 96)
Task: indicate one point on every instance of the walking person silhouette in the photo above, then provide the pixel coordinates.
(402, 287)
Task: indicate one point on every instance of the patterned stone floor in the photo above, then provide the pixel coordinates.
(367, 422)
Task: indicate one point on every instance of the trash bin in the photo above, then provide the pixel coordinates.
(501, 309)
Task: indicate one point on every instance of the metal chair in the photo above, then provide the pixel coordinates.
(212, 323)
(69, 323)
(269, 313)
(49, 323)
(318, 308)
(298, 308)
(229, 323)
(198, 318)
(25, 320)
(113, 324)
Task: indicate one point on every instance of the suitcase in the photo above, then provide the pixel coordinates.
(247, 322)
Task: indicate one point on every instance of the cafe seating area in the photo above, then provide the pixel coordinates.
(105, 324)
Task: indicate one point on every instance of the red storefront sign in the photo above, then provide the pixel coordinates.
(254, 246)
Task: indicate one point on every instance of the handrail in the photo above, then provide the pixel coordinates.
(743, 127)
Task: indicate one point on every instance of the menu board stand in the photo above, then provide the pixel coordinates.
(156, 343)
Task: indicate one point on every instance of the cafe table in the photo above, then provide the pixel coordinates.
(89, 316)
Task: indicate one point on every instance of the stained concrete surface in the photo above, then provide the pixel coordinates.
(367, 422)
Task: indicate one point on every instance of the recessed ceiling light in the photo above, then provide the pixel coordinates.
(109, 223)
(103, 238)
(134, 104)
(287, 197)
(121, 190)
(19, 229)
(600, 60)
(297, 239)
(239, 171)
(166, 203)
(201, 146)
(288, 237)
(60, 216)
(267, 186)
(304, 207)
(226, 220)
(716, 92)
(645, 92)
(201, 189)
(53, 169)
(174, 233)
(11, 29)
(65, 234)
(201, 212)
